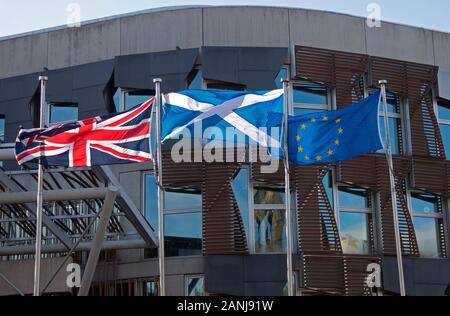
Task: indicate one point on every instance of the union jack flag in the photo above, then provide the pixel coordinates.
(113, 139)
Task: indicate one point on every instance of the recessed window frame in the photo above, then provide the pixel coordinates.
(121, 107)
(403, 140)
(369, 211)
(437, 216)
(168, 211)
(193, 276)
(2, 131)
(275, 207)
(309, 106)
(61, 104)
(436, 103)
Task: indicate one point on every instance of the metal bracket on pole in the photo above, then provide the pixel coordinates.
(290, 285)
(105, 215)
(388, 149)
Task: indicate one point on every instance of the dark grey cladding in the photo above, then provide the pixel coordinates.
(444, 83)
(254, 67)
(138, 71)
(15, 96)
(254, 275)
(85, 85)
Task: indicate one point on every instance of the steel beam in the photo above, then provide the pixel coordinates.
(53, 195)
(126, 203)
(31, 207)
(7, 154)
(84, 246)
(94, 253)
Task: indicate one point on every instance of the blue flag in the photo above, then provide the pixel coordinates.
(246, 113)
(332, 136)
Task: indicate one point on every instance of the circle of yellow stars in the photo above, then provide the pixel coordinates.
(330, 151)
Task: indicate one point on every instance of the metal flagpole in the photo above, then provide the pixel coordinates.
(290, 285)
(158, 103)
(388, 149)
(37, 260)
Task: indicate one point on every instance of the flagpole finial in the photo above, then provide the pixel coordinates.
(381, 82)
(157, 80)
(43, 78)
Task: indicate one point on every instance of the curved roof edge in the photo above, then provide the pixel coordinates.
(189, 7)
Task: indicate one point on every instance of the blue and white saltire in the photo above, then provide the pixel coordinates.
(246, 112)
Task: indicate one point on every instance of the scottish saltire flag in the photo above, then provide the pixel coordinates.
(247, 112)
(113, 139)
(332, 136)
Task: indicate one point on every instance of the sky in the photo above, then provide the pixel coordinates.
(19, 16)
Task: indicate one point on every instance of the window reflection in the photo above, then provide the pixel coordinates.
(135, 98)
(444, 123)
(281, 75)
(427, 236)
(354, 233)
(195, 286)
(310, 93)
(2, 128)
(354, 198)
(183, 234)
(182, 219)
(240, 189)
(195, 80)
(63, 112)
(428, 221)
(443, 111)
(394, 122)
(268, 194)
(355, 212)
(270, 231)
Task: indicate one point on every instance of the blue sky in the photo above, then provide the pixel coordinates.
(18, 16)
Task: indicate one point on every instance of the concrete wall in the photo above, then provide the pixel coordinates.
(21, 274)
(162, 30)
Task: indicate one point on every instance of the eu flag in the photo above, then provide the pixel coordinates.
(332, 136)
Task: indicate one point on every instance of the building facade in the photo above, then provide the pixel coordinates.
(225, 221)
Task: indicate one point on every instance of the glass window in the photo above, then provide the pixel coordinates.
(269, 218)
(150, 288)
(2, 128)
(353, 198)
(443, 110)
(427, 236)
(196, 81)
(445, 132)
(355, 211)
(428, 223)
(394, 121)
(354, 233)
(328, 185)
(182, 219)
(268, 194)
(60, 113)
(183, 234)
(306, 92)
(117, 99)
(270, 231)
(240, 189)
(444, 122)
(195, 286)
(135, 98)
(182, 200)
